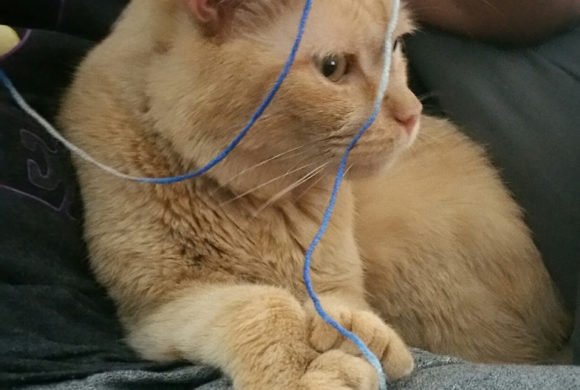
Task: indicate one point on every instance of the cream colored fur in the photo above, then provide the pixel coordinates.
(209, 270)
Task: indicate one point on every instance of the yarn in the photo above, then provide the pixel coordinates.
(367, 353)
(388, 49)
(169, 180)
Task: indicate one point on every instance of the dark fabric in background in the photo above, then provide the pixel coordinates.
(83, 18)
(57, 323)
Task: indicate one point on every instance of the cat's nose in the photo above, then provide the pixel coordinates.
(408, 116)
(408, 122)
(404, 107)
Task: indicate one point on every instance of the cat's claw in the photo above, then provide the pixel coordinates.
(382, 340)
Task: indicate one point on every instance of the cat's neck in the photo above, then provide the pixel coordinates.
(240, 181)
(155, 150)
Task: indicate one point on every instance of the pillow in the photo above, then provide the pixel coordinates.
(82, 18)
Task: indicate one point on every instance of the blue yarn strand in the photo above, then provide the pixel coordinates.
(259, 112)
(367, 353)
(169, 180)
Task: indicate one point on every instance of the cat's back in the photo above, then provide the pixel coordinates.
(451, 263)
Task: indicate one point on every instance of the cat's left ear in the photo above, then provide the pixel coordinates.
(205, 11)
(212, 15)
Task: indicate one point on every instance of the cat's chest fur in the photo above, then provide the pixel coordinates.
(218, 237)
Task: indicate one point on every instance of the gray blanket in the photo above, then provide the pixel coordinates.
(433, 372)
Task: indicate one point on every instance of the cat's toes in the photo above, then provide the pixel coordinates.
(337, 370)
(324, 337)
(385, 343)
(382, 340)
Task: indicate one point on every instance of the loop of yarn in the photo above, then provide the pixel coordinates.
(169, 180)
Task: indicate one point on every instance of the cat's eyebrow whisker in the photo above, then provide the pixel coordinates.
(288, 173)
(262, 163)
(292, 186)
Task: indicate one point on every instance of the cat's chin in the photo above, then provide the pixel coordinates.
(367, 169)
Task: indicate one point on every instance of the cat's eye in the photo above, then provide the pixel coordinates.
(333, 66)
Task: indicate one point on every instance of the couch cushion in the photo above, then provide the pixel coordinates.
(524, 105)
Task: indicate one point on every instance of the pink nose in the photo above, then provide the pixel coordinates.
(409, 117)
(408, 121)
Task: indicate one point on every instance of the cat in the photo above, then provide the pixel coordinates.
(426, 247)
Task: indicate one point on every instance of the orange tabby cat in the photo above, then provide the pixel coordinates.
(209, 270)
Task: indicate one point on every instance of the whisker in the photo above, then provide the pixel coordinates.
(292, 186)
(348, 169)
(260, 164)
(288, 173)
(425, 136)
(311, 186)
(429, 95)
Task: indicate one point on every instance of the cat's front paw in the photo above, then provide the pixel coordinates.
(338, 370)
(383, 341)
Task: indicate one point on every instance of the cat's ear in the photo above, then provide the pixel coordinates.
(205, 11)
(219, 17)
(212, 15)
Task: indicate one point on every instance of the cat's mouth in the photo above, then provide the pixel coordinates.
(372, 156)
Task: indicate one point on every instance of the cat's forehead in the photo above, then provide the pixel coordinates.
(353, 25)
(343, 26)
(366, 16)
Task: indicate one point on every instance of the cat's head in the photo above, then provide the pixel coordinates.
(215, 61)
